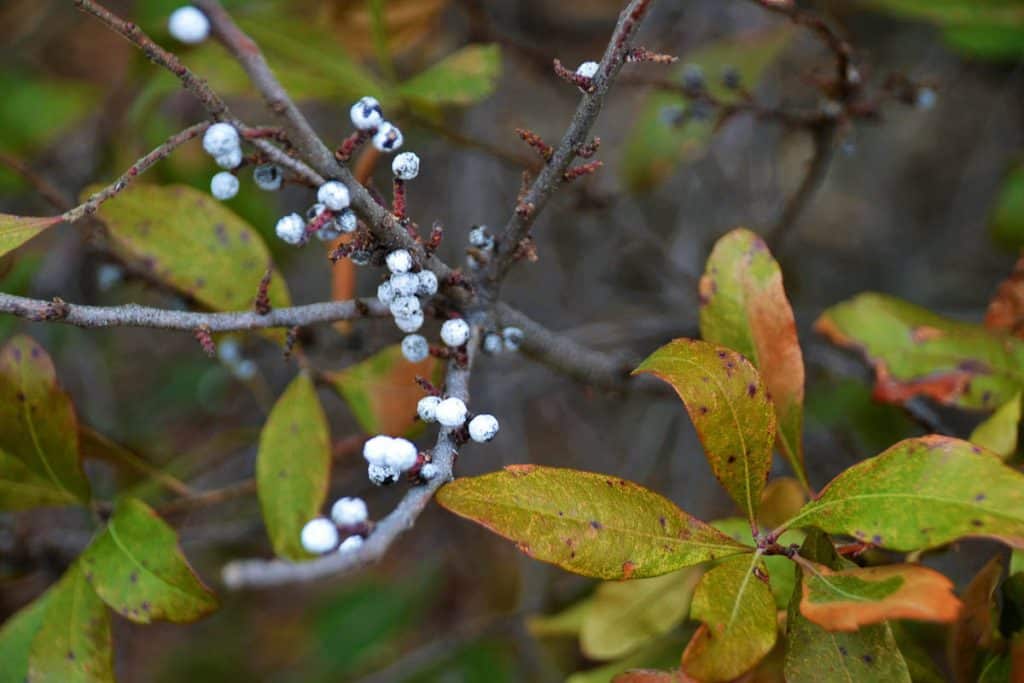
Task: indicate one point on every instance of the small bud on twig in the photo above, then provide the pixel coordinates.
(533, 140)
(205, 339)
(582, 170)
(262, 303)
(642, 54)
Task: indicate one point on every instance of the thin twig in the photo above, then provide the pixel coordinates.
(43, 186)
(823, 138)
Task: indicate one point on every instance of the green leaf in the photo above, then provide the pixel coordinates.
(293, 466)
(16, 230)
(591, 524)
(814, 655)
(744, 307)
(736, 605)
(16, 638)
(137, 568)
(566, 623)
(36, 109)
(23, 489)
(917, 353)
(729, 407)
(73, 644)
(190, 241)
(465, 76)
(998, 668)
(998, 433)
(382, 391)
(1007, 220)
(655, 146)
(922, 493)
(38, 424)
(624, 616)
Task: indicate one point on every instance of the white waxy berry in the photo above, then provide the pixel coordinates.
(375, 450)
(351, 544)
(587, 69)
(349, 511)
(347, 220)
(220, 139)
(333, 195)
(427, 285)
(188, 25)
(399, 261)
(268, 177)
(387, 138)
(244, 370)
(402, 455)
(230, 160)
(382, 475)
(329, 231)
(481, 238)
(405, 306)
(493, 343)
(405, 284)
(229, 351)
(224, 186)
(427, 408)
(291, 228)
(429, 471)
(455, 332)
(451, 412)
(406, 166)
(319, 536)
(926, 98)
(386, 293)
(415, 348)
(513, 337)
(483, 428)
(366, 114)
(410, 323)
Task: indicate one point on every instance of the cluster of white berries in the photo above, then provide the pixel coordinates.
(222, 142)
(509, 339)
(367, 116)
(188, 25)
(452, 413)
(332, 197)
(387, 457)
(400, 293)
(321, 535)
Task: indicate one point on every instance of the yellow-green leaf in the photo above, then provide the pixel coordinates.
(566, 623)
(466, 76)
(16, 230)
(38, 426)
(73, 643)
(23, 489)
(1007, 221)
(293, 466)
(16, 638)
(917, 353)
(744, 307)
(623, 616)
(137, 568)
(729, 407)
(735, 604)
(591, 524)
(922, 493)
(998, 432)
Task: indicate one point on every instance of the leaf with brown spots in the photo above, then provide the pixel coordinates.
(382, 391)
(1006, 310)
(38, 431)
(136, 566)
(977, 627)
(591, 524)
(729, 407)
(744, 307)
(918, 353)
(998, 432)
(736, 605)
(922, 493)
(73, 643)
(293, 466)
(16, 230)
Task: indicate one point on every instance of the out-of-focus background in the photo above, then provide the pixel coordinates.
(908, 206)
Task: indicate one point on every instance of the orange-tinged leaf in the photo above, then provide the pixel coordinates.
(1006, 310)
(922, 493)
(382, 390)
(16, 230)
(848, 599)
(652, 676)
(591, 524)
(977, 626)
(735, 603)
(744, 307)
(730, 409)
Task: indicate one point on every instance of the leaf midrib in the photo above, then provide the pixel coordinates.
(144, 568)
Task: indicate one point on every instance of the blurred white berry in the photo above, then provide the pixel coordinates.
(513, 337)
(455, 332)
(329, 231)
(347, 220)
(108, 275)
(405, 306)
(382, 475)
(349, 511)
(410, 323)
(587, 69)
(375, 450)
(244, 370)
(291, 228)
(188, 25)
(451, 412)
(483, 428)
(386, 293)
(333, 195)
(366, 114)
(268, 177)
(220, 139)
(229, 351)
(230, 160)
(926, 98)
(350, 544)
(493, 343)
(427, 285)
(387, 138)
(406, 166)
(481, 238)
(427, 408)
(224, 186)
(405, 284)
(429, 471)
(415, 348)
(319, 536)
(402, 455)
(399, 261)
